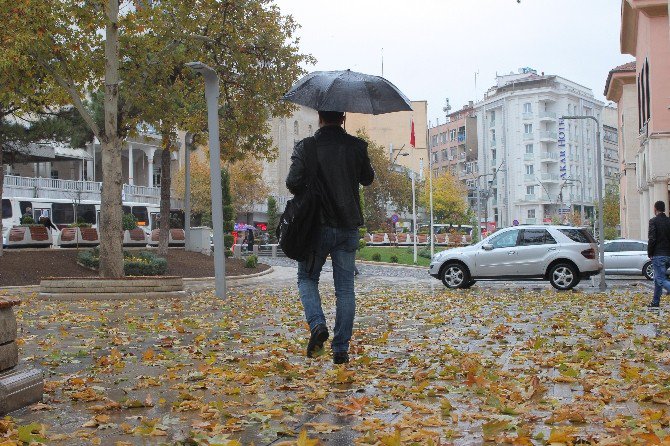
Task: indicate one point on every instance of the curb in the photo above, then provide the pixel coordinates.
(239, 277)
(186, 280)
(396, 265)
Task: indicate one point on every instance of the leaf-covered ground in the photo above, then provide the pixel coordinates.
(508, 367)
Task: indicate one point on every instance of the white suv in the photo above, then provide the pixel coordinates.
(561, 254)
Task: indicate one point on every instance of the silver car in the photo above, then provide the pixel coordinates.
(563, 255)
(628, 257)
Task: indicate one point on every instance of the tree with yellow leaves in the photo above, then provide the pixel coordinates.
(449, 200)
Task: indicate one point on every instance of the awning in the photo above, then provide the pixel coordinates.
(28, 153)
(41, 152)
(64, 151)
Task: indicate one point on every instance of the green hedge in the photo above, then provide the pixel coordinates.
(252, 262)
(141, 263)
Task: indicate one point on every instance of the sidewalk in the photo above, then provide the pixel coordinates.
(496, 363)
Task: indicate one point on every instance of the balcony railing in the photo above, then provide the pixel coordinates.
(28, 187)
(548, 157)
(530, 197)
(527, 115)
(494, 162)
(545, 116)
(530, 221)
(528, 137)
(492, 123)
(528, 156)
(493, 143)
(529, 177)
(550, 177)
(546, 135)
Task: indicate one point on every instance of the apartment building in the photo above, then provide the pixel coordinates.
(621, 88)
(610, 140)
(642, 90)
(453, 148)
(534, 166)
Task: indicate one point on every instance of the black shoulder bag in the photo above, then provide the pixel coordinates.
(300, 221)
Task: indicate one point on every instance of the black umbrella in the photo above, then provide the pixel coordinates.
(348, 91)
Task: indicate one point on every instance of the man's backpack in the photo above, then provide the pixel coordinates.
(301, 218)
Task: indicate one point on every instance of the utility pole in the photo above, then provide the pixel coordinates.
(414, 217)
(600, 188)
(188, 140)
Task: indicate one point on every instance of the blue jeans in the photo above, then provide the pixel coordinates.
(661, 264)
(341, 244)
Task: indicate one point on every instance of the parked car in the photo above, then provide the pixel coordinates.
(628, 257)
(563, 255)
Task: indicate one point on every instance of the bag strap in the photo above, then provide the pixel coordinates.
(311, 161)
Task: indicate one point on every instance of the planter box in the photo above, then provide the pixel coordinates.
(69, 237)
(29, 237)
(134, 237)
(93, 288)
(177, 237)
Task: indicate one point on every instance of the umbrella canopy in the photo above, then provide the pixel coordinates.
(348, 91)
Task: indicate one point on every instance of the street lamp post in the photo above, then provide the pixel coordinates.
(212, 97)
(600, 188)
(479, 204)
(188, 140)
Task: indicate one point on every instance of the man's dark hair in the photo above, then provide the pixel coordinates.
(659, 206)
(331, 117)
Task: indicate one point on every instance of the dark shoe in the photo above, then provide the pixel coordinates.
(316, 339)
(340, 357)
(652, 307)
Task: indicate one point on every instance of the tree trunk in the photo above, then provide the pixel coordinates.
(166, 181)
(2, 183)
(111, 228)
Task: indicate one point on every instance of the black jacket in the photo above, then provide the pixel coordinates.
(659, 236)
(343, 164)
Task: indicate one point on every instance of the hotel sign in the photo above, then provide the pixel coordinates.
(561, 148)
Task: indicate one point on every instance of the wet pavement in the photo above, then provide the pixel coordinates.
(502, 362)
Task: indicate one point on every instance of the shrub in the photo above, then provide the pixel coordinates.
(377, 257)
(362, 232)
(129, 222)
(228, 241)
(424, 252)
(27, 220)
(79, 224)
(252, 262)
(362, 243)
(134, 263)
(394, 258)
(228, 253)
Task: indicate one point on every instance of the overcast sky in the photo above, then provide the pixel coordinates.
(432, 48)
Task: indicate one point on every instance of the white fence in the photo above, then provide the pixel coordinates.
(27, 187)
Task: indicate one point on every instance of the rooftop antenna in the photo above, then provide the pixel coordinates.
(382, 62)
(446, 109)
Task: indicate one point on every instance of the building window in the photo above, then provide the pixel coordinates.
(529, 149)
(531, 213)
(434, 157)
(530, 190)
(528, 129)
(54, 174)
(530, 169)
(644, 95)
(493, 117)
(527, 108)
(493, 135)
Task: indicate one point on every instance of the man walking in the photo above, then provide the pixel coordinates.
(343, 163)
(658, 250)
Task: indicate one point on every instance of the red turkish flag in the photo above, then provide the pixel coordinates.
(412, 136)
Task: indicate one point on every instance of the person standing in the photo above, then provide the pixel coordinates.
(250, 240)
(342, 164)
(658, 250)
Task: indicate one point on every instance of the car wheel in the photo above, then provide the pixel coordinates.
(455, 275)
(564, 276)
(648, 271)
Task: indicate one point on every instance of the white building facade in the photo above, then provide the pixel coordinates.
(535, 167)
